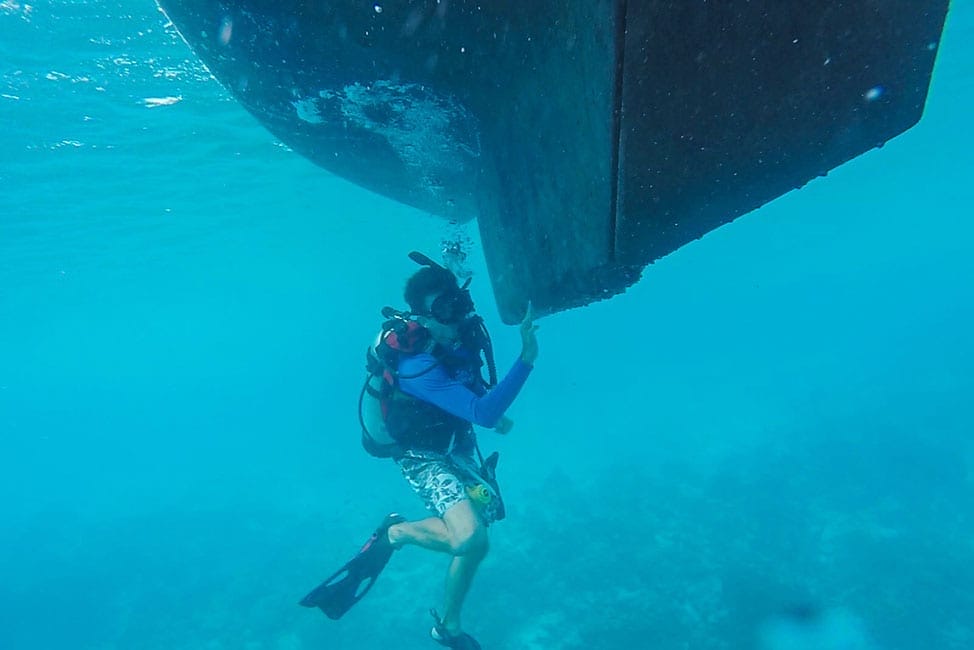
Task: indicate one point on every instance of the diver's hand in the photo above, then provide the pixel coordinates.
(504, 425)
(529, 342)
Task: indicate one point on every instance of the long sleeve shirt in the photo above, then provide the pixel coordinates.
(422, 377)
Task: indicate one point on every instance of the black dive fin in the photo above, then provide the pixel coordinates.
(461, 641)
(349, 584)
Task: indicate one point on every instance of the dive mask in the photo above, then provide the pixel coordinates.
(452, 306)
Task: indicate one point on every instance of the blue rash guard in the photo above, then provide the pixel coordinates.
(463, 395)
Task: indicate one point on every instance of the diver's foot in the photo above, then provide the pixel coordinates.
(382, 534)
(394, 539)
(456, 639)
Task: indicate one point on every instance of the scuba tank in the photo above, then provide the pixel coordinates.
(375, 435)
(398, 336)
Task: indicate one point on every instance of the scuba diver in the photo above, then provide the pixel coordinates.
(424, 392)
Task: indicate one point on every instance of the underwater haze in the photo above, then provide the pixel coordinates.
(766, 443)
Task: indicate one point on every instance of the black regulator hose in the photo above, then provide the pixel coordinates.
(488, 347)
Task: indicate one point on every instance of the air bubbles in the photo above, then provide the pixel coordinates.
(377, 8)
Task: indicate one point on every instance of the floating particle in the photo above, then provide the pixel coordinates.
(226, 30)
(874, 93)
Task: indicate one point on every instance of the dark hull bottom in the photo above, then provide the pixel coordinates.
(588, 137)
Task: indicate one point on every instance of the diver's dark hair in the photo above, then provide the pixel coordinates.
(428, 281)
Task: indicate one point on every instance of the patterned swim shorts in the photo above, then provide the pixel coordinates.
(441, 481)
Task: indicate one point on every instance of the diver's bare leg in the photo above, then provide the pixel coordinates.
(459, 533)
(429, 533)
(458, 580)
(470, 547)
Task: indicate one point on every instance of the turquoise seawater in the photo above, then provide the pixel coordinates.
(776, 417)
